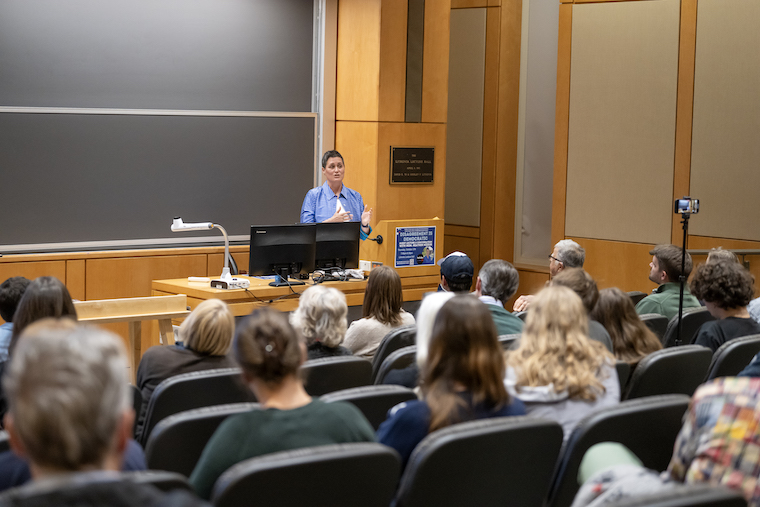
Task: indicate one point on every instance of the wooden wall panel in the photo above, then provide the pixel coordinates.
(357, 142)
(393, 28)
(358, 72)
(530, 283)
(435, 61)
(561, 122)
(32, 270)
(618, 264)
(703, 243)
(75, 279)
(410, 201)
(215, 261)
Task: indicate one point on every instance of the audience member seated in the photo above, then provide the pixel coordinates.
(715, 446)
(11, 291)
(665, 270)
(321, 318)
(456, 273)
(14, 469)
(582, 284)
(718, 255)
(557, 371)
(270, 353)
(70, 415)
(44, 297)
(632, 340)
(462, 378)
(726, 288)
(206, 336)
(497, 282)
(381, 313)
(566, 254)
(431, 304)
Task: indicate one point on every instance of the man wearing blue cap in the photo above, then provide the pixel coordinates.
(456, 273)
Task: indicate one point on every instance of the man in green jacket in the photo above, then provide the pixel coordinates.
(497, 282)
(665, 269)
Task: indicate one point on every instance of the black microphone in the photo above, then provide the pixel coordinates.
(378, 239)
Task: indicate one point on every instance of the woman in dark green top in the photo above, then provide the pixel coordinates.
(270, 352)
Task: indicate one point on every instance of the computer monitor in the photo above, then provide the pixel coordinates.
(285, 250)
(338, 245)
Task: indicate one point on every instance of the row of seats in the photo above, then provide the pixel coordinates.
(516, 461)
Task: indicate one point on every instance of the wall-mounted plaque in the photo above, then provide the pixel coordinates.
(412, 165)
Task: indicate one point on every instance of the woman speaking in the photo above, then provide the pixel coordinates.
(334, 202)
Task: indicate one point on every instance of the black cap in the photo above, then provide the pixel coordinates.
(457, 267)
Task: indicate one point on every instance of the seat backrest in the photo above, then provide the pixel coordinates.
(521, 315)
(691, 321)
(508, 341)
(363, 474)
(733, 356)
(399, 359)
(164, 481)
(194, 390)
(624, 373)
(697, 495)
(636, 296)
(400, 337)
(647, 426)
(656, 323)
(373, 401)
(176, 443)
(328, 374)
(136, 405)
(677, 370)
(504, 461)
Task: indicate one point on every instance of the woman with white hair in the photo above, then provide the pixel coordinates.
(206, 335)
(321, 319)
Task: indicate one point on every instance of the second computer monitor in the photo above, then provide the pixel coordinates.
(338, 245)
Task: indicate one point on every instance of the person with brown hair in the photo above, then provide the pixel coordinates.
(718, 255)
(206, 336)
(381, 313)
(462, 378)
(580, 282)
(270, 353)
(45, 296)
(557, 371)
(726, 288)
(632, 340)
(665, 270)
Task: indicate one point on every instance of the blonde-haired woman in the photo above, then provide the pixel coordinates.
(206, 335)
(557, 371)
(321, 319)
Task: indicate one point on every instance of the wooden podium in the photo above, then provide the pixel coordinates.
(386, 252)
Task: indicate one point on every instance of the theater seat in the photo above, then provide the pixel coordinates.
(5, 444)
(509, 341)
(656, 323)
(360, 474)
(398, 338)
(328, 374)
(624, 373)
(687, 496)
(647, 426)
(194, 390)
(692, 320)
(677, 370)
(398, 360)
(636, 296)
(733, 356)
(176, 443)
(373, 401)
(505, 461)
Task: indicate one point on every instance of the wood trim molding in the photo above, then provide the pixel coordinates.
(463, 230)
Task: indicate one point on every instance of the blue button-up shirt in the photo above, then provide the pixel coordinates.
(320, 204)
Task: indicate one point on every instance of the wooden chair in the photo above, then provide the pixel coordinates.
(134, 311)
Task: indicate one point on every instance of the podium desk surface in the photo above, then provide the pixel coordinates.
(260, 293)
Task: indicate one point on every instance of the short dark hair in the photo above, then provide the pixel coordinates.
(724, 283)
(499, 279)
(581, 283)
(45, 296)
(11, 291)
(669, 260)
(330, 154)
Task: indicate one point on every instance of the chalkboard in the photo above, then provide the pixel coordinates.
(118, 115)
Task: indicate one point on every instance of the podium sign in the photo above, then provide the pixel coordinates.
(415, 246)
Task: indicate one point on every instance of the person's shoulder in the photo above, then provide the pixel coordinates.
(409, 413)
(407, 319)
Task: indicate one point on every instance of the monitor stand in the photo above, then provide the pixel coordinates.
(282, 279)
